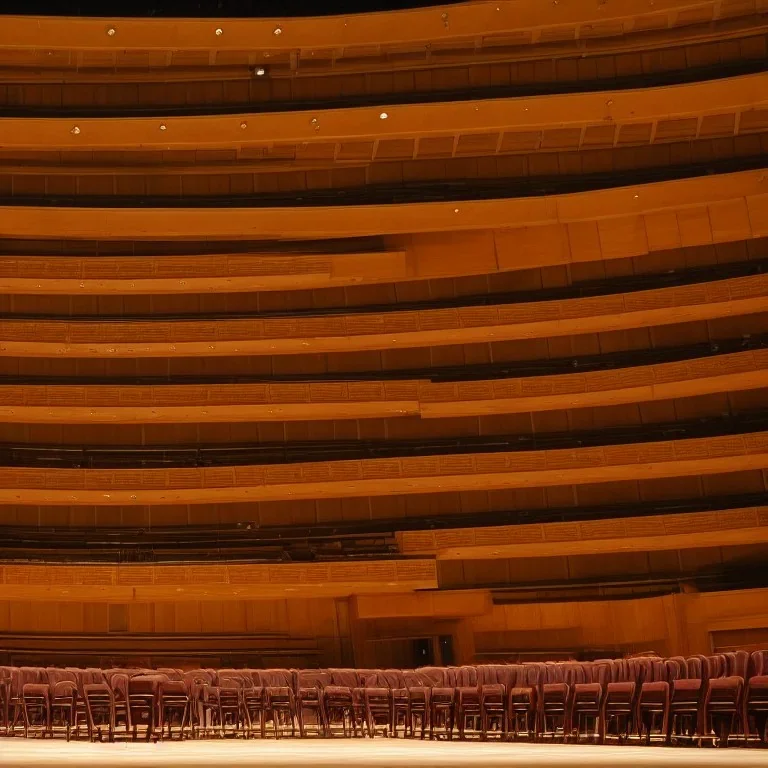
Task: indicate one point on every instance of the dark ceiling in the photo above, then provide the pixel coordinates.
(202, 8)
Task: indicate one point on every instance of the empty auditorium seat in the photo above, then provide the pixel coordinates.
(618, 710)
(698, 699)
(63, 692)
(279, 701)
(653, 703)
(522, 701)
(173, 705)
(310, 699)
(722, 708)
(756, 708)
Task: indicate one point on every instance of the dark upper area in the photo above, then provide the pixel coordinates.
(207, 8)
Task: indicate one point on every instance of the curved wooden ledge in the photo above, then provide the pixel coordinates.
(731, 527)
(495, 19)
(138, 583)
(726, 202)
(236, 403)
(398, 330)
(384, 477)
(659, 108)
(532, 45)
(220, 273)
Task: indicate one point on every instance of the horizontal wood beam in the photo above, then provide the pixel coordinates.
(515, 118)
(239, 403)
(730, 202)
(384, 477)
(731, 527)
(496, 18)
(325, 334)
(150, 583)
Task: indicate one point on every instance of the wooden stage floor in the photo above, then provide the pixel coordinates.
(359, 753)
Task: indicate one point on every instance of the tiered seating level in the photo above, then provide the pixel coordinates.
(717, 699)
(446, 323)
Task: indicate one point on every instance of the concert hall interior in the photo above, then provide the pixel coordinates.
(384, 370)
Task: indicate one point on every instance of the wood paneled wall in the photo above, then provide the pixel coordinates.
(321, 511)
(321, 622)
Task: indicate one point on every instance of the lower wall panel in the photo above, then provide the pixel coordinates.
(358, 631)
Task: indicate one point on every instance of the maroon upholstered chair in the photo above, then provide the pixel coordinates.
(344, 702)
(467, 698)
(756, 707)
(63, 700)
(310, 699)
(653, 703)
(722, 709)
(441, 700)
(279, 701)
(378, 709)
(618, 710)
(254, 704)
(418, 687)
(36, 700)
(174, 705)
(553, 703)
(522, 701)
(143, 703)
(197, 681)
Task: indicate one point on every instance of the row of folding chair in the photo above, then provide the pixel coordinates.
(701, 699)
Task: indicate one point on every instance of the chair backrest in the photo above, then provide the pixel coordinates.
(277, 678)
(172, 674)
(716, 666)
(466, 677)
(508, 675)
(757, 664)
(56, 675)
(145, 683)
(312, 678)
(394, 679)
(434, 677)
(32, 675)
(345, 677)
(254, 676)
(737, 664)
(695, 667)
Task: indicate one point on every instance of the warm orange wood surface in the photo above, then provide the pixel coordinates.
(458, 580)
(219, 273)
(663, 108)
(499, 18)
(105, 404)
(722, 203)
(418, 257)
(115, 583)
(624, 534)
(419, 328)
(385, 477)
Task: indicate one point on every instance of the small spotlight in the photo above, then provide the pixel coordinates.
(259, 71)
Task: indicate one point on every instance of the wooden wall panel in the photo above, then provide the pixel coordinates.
(310, 512)
(211, 583)
(317, 222)
(604, 537)
(501, 122)
(121, 409)
(192, 37)
(365, 332)
(384, 477)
